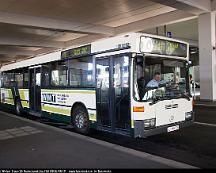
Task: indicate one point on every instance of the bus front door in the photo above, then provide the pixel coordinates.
(112, 78)
(103, 92)
(35, 89)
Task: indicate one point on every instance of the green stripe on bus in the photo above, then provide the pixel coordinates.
(92, 117)
(70, 91)
(23, 98)
(132, 124)
(22, 94)
(10, 99)
(56, 110)
(25, 104)
(10, 95)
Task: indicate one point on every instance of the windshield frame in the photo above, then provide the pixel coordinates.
(165, 58)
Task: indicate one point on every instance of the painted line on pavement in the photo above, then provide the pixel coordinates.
(204, 105)
(205, 124)
(158, 159)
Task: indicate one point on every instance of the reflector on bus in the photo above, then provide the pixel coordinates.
(138, 109)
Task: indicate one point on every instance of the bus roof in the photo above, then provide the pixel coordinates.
(129, 41)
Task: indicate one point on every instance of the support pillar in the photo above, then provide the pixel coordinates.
(207, 54)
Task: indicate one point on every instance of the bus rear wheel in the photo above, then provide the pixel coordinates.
(18, 108)
(80, 120)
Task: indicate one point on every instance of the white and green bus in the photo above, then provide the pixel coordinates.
(104, 85)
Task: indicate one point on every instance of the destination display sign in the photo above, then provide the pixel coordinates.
(75, 52)
(162, 47)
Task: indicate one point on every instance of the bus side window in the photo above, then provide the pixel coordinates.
(19, 79)
(81, 72)
(45, 75)
(59, 74)
(8, 78)
(25, 78)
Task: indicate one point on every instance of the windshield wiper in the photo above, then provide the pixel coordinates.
(156, 100)
(184, 96)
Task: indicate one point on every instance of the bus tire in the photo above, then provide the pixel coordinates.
(80, 120)
(18, 107)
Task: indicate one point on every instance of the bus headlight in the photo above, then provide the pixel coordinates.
(188, 115)
(150, 123)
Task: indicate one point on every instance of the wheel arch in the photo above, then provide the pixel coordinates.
(75, 105)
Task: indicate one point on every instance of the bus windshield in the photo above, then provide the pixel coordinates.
(160, 79)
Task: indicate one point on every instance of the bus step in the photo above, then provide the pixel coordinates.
(37, 114)
(67, 126)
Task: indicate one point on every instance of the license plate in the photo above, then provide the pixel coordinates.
(172, 129)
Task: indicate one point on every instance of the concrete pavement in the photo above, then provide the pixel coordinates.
(28, 144)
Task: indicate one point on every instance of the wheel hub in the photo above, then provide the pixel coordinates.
(80, 121)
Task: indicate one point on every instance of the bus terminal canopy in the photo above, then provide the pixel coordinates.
(33, 27)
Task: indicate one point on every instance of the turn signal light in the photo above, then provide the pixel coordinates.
(193, 103)
(138, 109)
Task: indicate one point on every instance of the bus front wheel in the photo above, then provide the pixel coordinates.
(80, 120)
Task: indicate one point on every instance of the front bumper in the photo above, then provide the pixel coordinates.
(139, 131)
